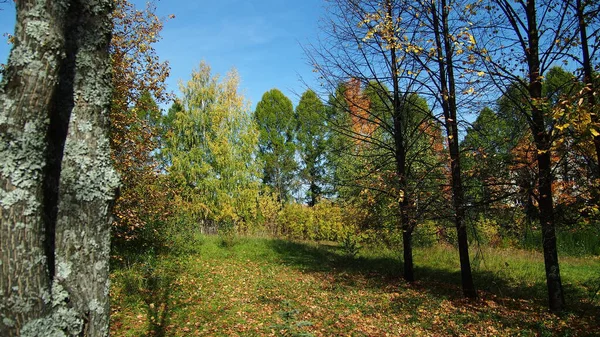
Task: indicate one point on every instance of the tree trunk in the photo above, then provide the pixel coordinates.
(87, 180)
(61, 214)
(25, 93)
(446, 67)
(542, 141)
(399, 115)
(407, 231)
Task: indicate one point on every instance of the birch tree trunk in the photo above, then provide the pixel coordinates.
(56, 179)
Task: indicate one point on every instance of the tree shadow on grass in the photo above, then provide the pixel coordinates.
(385, 273)
(149, 284)
(157, 297)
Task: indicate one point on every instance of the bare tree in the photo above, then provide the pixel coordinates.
(517, 48)
(364, 44)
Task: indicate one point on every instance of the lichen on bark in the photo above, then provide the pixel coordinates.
(54, 266)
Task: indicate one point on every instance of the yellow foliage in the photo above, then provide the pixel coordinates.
(325, 221)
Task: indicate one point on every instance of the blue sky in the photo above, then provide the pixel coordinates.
(262, 39)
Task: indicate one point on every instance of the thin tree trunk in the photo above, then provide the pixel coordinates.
(399, 116)
(445, 61)
(588, 78)
(542, 141)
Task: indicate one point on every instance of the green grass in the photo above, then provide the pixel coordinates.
(263, 287)
(581, 242)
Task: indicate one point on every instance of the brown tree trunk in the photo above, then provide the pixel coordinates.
(54, 233)
(446, 66)
(542, 141)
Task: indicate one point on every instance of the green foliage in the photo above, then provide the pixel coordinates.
(426, 234)
(291, 327)
(276, 122)
(210, 145)
(323, 222)
(578, 242)
(350, 244)
(485, 231)
(312, 134)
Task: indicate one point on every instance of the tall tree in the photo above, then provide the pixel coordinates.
(530, 49)
(274, 115)
(365, 49)
(587, 17)
(312, 144)
(139, 82)
(437, 43)
(211, 143)
(57, 179)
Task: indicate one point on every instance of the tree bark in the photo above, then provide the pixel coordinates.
(446, 67)
(55, 212)
(25, 93)
(542, 139)
(87, 180)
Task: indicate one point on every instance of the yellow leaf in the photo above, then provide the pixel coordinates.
(471, 39)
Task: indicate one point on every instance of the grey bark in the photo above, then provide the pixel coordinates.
(57, 182)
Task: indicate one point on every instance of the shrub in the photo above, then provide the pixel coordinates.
(425, 234)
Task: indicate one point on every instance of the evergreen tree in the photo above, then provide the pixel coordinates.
(277, 125)
(312, 144)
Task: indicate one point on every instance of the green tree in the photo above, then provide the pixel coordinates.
(312, 144)
(277, 125)
(210, 144)
(486, 151)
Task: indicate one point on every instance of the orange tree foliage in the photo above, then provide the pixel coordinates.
(139, 81)
(358, 107)
(566, 188)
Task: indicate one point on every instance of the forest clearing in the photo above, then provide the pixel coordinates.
(439, 176)
(266, 287)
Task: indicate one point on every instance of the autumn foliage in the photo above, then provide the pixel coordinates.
(359, 109)
(139, 82)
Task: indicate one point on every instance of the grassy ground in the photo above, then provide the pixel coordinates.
(261, 287)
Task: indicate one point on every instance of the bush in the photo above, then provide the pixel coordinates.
(575, 242)
(485, 231)
(323, 222)
(425, 234)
